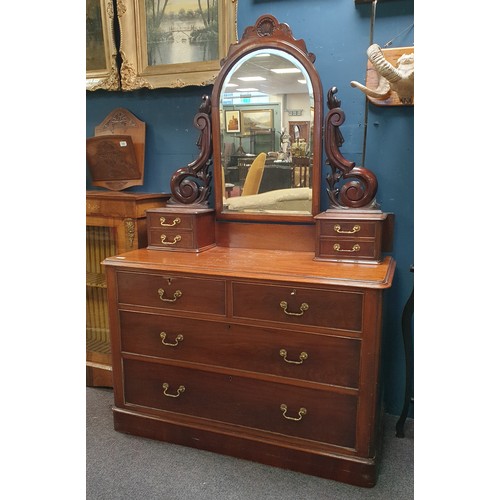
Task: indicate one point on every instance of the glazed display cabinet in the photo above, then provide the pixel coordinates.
(115, 223)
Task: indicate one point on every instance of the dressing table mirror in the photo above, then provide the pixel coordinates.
(267, 82)
(241, 329)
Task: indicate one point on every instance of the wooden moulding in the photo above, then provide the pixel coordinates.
(115, 155)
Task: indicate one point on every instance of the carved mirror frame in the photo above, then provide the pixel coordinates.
(268, 33)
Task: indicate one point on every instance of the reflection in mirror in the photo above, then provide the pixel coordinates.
(266, 134)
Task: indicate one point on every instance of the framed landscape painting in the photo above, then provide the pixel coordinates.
(174, 43)
(101, 67)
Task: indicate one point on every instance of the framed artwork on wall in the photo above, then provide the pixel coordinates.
(101, 67)
(173, 43)
(252, 119)
(233, 121)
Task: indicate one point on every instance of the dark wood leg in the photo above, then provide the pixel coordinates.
(408, 346)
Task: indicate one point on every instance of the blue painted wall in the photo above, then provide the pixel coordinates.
(338, 33)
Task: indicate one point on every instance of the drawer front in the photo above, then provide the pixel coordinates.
(299, 306)
(348, 248)
(169, 221)
(317, 358)
(328, 417)
(171, 239)
(348, 228)
(172, 293)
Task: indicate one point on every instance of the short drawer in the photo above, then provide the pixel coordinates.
(313, 414)
(349, 248)
(317, 358)
(348, 228)
(170, 239)
(176, 293)
(169, 221)
(298, 305)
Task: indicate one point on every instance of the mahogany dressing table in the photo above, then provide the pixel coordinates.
(236, 331)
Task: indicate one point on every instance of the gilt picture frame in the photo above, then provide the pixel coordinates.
(174, 43)
(101, 65)
(252, 119)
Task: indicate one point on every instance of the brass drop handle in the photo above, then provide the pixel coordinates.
(355, 229)
(355, 248)
(303, 307)
(302, 412)
(180, 390)
(163, 222)
(177, 295)
(178, 339)
(176, 239)
(302, 357)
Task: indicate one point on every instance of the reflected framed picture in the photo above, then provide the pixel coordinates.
(101, 66)
(252, 119)
(233, 121)
(174, 43)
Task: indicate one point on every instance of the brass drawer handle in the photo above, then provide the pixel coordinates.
(355, 229)
(302, 412)
(176, 239)
(178, 339)
(163, 222)
(177, 295)
(355, 248)
(302, 357)
(180, 390)
(303, 307)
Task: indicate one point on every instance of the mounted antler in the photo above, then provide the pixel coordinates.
(398, 79)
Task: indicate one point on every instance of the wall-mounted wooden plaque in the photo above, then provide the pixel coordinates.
(115, 155)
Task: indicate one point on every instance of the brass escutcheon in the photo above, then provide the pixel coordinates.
(303, 307)
(302, 357)
(176, 239)
(180, 390)
(178, 339)
(302, 412)
(177, 295)
(355, 248)
(163, 222)
(355, 229)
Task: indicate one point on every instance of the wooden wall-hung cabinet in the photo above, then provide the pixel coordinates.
(115, 223)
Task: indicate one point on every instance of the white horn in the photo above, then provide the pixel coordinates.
(383, 67)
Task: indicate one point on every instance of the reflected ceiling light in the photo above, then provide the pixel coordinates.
(302, 81)
(286, 70)
(263, 55)
(251, 78)
(231, 84)
(247, 90)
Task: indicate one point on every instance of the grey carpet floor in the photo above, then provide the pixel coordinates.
(120, 466)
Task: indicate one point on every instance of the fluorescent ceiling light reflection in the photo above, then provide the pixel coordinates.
(251, 78)
(302, 81)
(231, 84)
(263, 55)
(247, 90)
(286, 70)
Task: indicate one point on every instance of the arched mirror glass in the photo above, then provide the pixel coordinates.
(266, 111)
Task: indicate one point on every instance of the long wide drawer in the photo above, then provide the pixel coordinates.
(172, 292)
(317, 415)
(299, 305)
(317, 358)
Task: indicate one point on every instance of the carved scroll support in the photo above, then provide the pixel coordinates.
(349, 186)
(191, 185)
